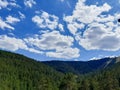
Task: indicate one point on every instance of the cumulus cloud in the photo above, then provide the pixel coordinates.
(92, 29)
(51, 40)
(66, 53)
(101, 36)
(46, 20)
(73, 27)
(14, 4)
(61, 27)
(84, 14)
(55, 45)
(3, 4)
(4, 25)
(101, 32)
(12, 20)
(13, 44)
(29, 3)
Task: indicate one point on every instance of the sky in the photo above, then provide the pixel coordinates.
(78, 30)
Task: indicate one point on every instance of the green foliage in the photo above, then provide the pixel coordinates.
(69, 82)
(107, 79)
(21, 73)
(80, 67)
(18, 72)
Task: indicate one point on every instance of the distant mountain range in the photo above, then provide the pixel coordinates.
(18, 72)
(82, 67)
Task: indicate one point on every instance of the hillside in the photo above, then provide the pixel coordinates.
(106, 79)
(82, 67)
(18, 72)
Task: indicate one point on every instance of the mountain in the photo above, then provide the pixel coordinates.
(105, 79)
(82, 67)
(18, 72)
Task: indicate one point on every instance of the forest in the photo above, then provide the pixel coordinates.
(18, 72)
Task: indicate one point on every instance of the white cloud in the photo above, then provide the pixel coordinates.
(101, 32)
(12, 20)
(101, 57)
(101, 37)
(51, 41)
(96, 58)
(55, 45)
(29, 3)
(34, 50)
(13, 44)
(73, 27)
(4, 25)
(66, 53)
(9, 20)
(61, 27)
(46, 20)
(84, 14)
(13, 3)
(22, 16)
(3, 4)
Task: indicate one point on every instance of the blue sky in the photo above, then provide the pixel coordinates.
(60, 29)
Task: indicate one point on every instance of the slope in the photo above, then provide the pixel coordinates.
(18, 72)
(105, 79)
(82, 67)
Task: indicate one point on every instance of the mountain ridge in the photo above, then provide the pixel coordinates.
(82, 67)
(76, 67)
(18, 72)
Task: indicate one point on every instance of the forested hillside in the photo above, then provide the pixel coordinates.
(107, 79)
(18, 72)
(82, 67)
